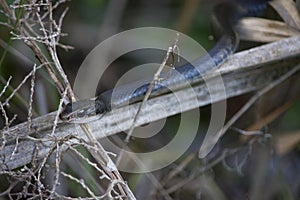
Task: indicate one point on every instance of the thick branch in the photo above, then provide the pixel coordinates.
(244, 72)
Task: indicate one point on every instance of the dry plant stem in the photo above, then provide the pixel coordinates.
(153, 82)
(248, 132)
(244, 72)
(60, 107)
(273, 115)
(201, 170)
(50, 39)
(100, 155)
(18, 54)
(31, 73)
(103, 160)
(58, 157)
(51, 45)
(159, 187)
(6, 119)
(83, 185)
(94, 165)
(26, 34)
(107, 164)
(256, 97)
(192, 176)
(264, 30)
(179, 168)
(9, 189)
(288, 11)
(148, 93)
(152, 178)
(17, 95)
(39, 54)
(32, 84)
(5, 86)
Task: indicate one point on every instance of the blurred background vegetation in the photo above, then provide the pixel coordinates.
(255, 167)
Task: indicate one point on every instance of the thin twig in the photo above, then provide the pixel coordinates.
(104, 160)
(5, 86)
(104, 176)
(244, 72)
(82, 184)
(60, 107)
(210, 140)
(6, 103)
(32, 84)
(154, 81)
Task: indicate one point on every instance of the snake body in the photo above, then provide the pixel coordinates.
(227, 13)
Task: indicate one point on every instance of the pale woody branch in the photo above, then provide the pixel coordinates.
(244, 72)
